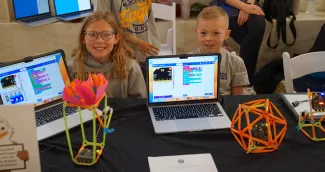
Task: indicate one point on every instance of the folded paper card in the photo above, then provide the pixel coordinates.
(183, 163)
(18, 142)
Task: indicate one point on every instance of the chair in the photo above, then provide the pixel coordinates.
(166, 12)
(301, 65)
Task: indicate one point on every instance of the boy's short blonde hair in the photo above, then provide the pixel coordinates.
(213, 12)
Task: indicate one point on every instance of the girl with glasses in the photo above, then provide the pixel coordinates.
(102, 50)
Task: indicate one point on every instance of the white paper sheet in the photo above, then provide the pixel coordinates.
(183, 163)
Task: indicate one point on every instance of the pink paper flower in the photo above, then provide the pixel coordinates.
(86, 93)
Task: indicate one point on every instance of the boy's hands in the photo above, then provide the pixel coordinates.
(242, 17)
(237, 90)
(253, 9)
(146, 48)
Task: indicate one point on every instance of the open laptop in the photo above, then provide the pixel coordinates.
(33, 12)
(183, 93)
(40, 80)
(67, 10)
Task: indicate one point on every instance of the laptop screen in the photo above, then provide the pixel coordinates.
(35, 82)
(183, 79)
(27, 8)
(71, 6)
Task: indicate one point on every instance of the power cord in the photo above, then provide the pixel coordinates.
(296, 103)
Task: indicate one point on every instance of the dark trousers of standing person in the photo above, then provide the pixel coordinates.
(249, 36)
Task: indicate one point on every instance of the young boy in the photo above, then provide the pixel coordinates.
(212, 30)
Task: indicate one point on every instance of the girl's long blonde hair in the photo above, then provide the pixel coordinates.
(120, 50)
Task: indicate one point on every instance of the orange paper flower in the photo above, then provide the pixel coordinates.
(86, 93)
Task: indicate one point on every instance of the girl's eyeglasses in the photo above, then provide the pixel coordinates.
(92, 36)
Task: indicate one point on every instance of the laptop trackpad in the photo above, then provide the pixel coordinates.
(44, 132)
(193, 124)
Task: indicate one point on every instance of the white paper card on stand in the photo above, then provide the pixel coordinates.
(19, 150)
(183, 163)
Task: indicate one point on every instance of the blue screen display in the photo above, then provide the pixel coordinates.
(70, 6)
(26, 8)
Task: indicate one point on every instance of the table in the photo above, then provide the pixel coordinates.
(134, 140)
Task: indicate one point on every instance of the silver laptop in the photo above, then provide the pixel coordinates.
(33, 13)
(302, 104)
(183, 93)
(40, 80)
(67, 10)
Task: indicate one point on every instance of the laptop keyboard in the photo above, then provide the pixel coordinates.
(53, 113)
(37, 18)
(186, 112)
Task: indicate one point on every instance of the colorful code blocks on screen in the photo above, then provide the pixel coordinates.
(192, 75)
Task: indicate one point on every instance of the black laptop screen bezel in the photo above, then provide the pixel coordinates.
(26, 59)
(91, 9)
(13, 6)
(217, 99)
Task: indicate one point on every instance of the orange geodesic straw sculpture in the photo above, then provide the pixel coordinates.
(258, 126)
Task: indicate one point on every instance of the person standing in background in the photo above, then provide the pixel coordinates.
(137, 20)
(247, 25)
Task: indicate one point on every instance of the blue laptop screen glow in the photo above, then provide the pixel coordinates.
(27, 8)
(70, 6)
(36, 82)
